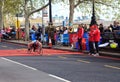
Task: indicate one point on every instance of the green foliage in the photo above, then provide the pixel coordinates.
(102, 7)
(11, 6)
(107, 7)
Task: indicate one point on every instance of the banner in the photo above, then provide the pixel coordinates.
(73, 37)
(66, 38)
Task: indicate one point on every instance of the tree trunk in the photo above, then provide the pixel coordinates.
(26, 28)
(26, 21)
(71, 14)
(1, 14)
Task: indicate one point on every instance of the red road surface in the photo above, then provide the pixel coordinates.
(23, 52)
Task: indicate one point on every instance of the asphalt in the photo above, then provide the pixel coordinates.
(103, 51)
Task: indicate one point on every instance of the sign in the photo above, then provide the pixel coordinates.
(17, 24)
(45, 12)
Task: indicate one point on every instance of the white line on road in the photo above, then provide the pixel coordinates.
(62, 57)
(4, 46)
(83, 61)
(59, 78)
(112, 66)
(18, 63)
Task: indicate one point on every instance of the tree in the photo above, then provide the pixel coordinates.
(85, 6)
(28, 11)
(13, 7)
(1, 13)
(8, 7)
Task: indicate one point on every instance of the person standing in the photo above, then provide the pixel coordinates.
(91, 41)
(101, 28)
(96, 38)
(39, 33)
(80, 35)
(115, 26)
(32, 33)
(70, 30)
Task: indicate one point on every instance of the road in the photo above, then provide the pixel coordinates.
(57, 68)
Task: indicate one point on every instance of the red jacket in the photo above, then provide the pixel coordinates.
(91, 36)
(96, 33)
(80, 32)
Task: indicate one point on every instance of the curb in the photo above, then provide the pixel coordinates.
(115, 55)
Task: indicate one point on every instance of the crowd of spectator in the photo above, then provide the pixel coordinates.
(10, 33)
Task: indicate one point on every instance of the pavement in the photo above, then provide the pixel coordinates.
(103, 51)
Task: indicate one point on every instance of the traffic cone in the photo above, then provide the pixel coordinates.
(50, 43)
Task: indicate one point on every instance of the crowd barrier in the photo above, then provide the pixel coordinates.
(71, 39)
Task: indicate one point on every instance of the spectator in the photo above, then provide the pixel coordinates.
(96, 38)
(65, 30)
(8, 30)
(70, 30)
(33, 29)
(80, 35)
(108, 29)
(91, 40)
(12, 33)
(23, 34)
(107, 35)
(39, 33)
(101, 28)
(85, 27)
(115, 26)
(60, 35)
(60, 30)
(32, 33)
(4, 34)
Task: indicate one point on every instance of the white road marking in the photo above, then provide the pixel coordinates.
(4, 46)
(62, 57)
(59, 78)
(109, 66)
(18, 63)
(83, 61)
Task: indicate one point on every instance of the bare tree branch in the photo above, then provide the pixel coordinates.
(38, 9)
(31, 4)
(78, 2)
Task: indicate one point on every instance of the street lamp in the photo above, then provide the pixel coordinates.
(50, 13)
(50, 27)
(93, 19)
